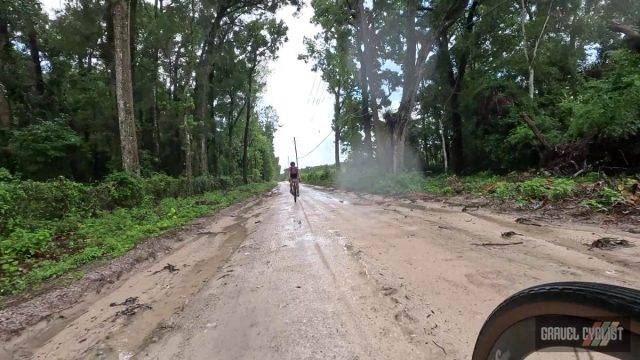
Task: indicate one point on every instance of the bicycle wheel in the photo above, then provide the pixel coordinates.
(510, 331)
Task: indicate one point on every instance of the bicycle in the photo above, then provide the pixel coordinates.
(518, 326)
(296, 189)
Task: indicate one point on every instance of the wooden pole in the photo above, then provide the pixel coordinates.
(295, 148)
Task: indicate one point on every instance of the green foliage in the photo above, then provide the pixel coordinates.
(320, 175)
(608, 106)
(40, 243)
(546, 189)
(43, 150)
(480, 184)
(121, 189)
(30, 204)
(66, 124)
(605, 200)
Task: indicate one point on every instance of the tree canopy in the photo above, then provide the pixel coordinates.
(488, 85)
(196, 69)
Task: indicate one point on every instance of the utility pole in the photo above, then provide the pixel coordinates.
(295, 148)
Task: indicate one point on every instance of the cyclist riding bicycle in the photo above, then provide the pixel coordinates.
(293, 175)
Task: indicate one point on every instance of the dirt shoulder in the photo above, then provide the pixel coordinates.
(566, 210)
(59, 304)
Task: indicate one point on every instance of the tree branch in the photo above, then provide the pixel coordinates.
(535, 49)
(539, 135)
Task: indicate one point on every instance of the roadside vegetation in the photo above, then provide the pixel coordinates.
(85, 134)
(52, 228)
(592, 191)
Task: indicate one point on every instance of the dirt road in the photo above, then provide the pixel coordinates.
(334, 276)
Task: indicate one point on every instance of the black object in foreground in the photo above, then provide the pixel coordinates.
(560, 317)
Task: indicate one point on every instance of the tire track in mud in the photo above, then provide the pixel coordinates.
(381, 300)
(354, 323)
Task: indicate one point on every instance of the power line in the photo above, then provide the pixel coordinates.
(320, 143)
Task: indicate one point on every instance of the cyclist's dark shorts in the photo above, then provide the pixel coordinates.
(294, 176)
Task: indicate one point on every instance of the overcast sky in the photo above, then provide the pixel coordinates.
(298, 95)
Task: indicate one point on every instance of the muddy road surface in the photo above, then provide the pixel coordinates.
(333, 276)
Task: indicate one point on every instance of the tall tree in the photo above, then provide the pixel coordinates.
(456, 80)
(124, 88)
(253, 63)
(532, 54)
(439, 17)
(5, 109)
(263, 37)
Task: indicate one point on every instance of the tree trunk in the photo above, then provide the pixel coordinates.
(456, 80)
(155, 131)
(245, 141)
(419, 66)
(369, 57)
(124, 88)
(5, 49)
(203, 79)
(202, 107)
(539, 135)
(398, 123)
(336, 128)
(186, 149)
(5, 110)
(397, 149)
(364, 90)
(34, 50)
(245, 144)
(212, 136)
(457, 147)
(133, 12)
(531, 58)
(204, 159)
(154, 118)
(443, 138)
(108, 52)
(532, 88)
(215, 163)
(4, 38)
(230, 125)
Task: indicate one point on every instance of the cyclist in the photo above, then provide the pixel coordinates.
(293, 175)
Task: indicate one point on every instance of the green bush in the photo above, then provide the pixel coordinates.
(121, 189)
(320, 175)
(43, 150)
(204, 183)
(52, 228)
(605, 200)
(160, 186)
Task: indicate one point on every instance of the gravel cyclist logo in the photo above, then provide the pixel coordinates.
(603, 335)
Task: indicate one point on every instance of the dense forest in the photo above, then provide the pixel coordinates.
(145, 87)
(461, 85)
(122, 119)
(470, 85)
